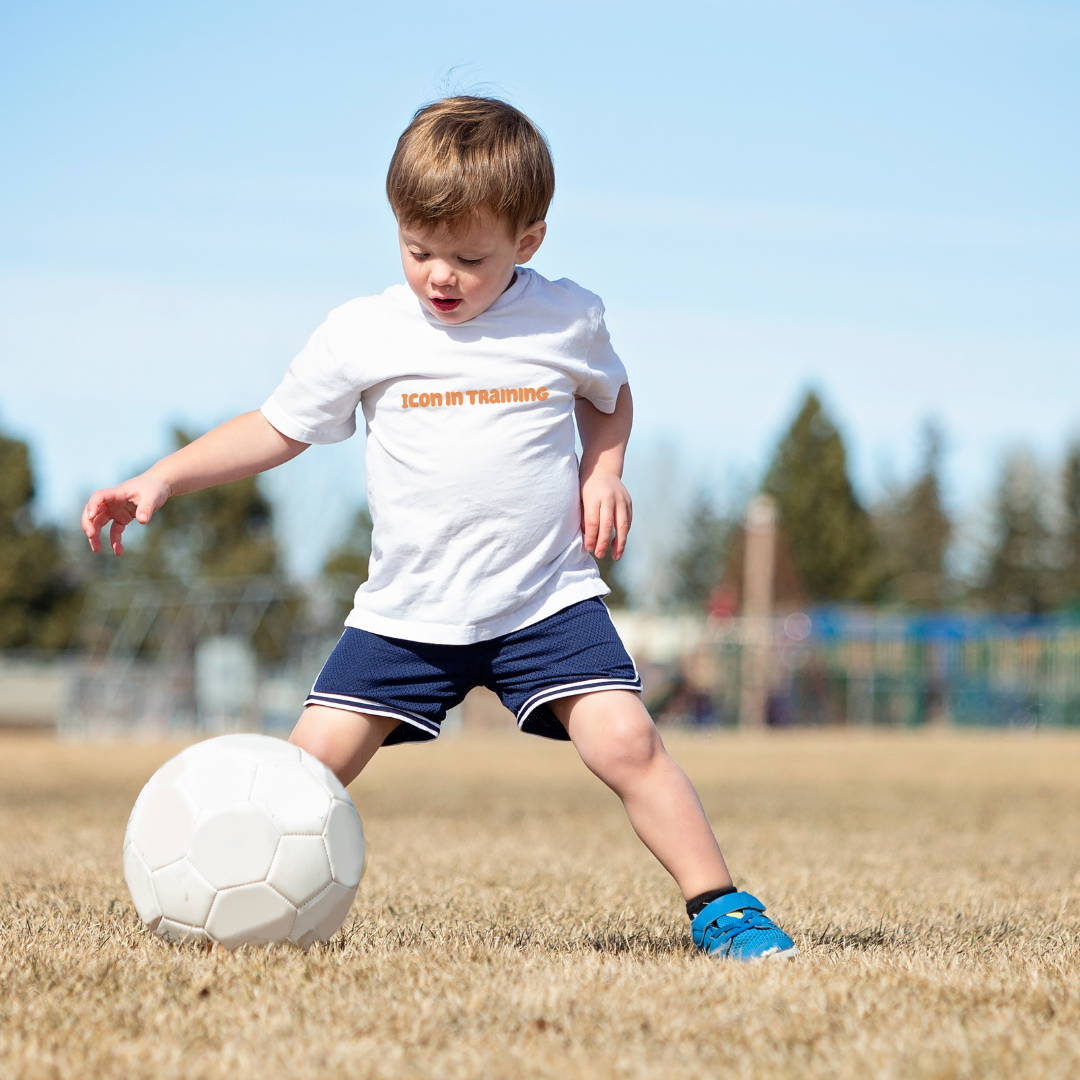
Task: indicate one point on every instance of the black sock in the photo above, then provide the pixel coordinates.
(698, 904)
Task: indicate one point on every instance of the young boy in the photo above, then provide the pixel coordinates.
(470, 378)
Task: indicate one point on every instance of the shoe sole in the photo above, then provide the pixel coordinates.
(783, 954)
(780, 954)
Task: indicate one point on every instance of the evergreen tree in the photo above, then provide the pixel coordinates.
(222, 531)
(1018, 574)
(830, 533)
(350, 557)
(346, 565)
(914, 533)
(38, 601)
(1068, 591)
(699, 561)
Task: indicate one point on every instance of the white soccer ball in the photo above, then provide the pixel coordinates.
(244, 839)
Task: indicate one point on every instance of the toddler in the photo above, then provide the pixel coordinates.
(471, 377)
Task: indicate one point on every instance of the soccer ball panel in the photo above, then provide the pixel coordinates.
(141, 888)
(301, 868)
(329, 781)
(291, 797)
(134, 816)
(250, 914)
(163, 827)
(179, 932)
(258, 748)
(214, 780)
(184, 894)
(345, 844)
(335, 913)
(172, 768)
(234, 845)
(320, 919)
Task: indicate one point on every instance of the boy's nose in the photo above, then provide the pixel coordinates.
(441, 274)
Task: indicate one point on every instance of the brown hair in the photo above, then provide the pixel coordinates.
(461, 155)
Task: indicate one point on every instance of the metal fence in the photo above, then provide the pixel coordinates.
(158, 660)
(202, 657)
(109, 698)
(835, 666)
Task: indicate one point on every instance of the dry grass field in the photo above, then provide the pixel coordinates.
(511, 925)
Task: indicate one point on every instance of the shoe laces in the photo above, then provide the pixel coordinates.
(724, 929)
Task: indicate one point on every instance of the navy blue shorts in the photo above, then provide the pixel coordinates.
(575, 651)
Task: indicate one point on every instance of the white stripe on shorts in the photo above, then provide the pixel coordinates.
(375, 708)
(585, 686)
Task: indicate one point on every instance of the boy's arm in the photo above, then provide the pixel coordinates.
(605, 503)
(240, 447)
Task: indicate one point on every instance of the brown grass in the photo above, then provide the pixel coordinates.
(511, 925)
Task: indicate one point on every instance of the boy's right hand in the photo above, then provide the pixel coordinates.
(133, 500)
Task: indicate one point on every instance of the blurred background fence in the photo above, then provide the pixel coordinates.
(865, 668)
(207, 656)
(164, 661)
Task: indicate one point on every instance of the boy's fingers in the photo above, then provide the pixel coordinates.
(95, 517)
(97, 511)
(88, 525)
(590, 524)
(115, 537)
(144, 512)
(607, 521)
(121, 506)
(622, 528)
(101, 500)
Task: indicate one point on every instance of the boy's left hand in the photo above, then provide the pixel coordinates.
(605, 508)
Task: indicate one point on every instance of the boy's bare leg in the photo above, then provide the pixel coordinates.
(343, 741)
(618, 741)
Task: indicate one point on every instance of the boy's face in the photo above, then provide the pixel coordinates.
(457, 275)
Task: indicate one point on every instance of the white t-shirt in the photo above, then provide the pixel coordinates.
(471, 465)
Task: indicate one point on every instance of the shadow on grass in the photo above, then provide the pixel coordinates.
(1035, 938)
(469, 938)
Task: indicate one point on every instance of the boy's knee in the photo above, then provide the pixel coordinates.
(328, 738)
(630, 743)
(315, 739)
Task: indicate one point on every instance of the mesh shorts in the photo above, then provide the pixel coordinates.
(575, 651)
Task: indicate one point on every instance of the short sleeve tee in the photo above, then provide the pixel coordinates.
(471, 466)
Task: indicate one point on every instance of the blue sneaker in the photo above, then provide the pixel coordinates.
(733, 928)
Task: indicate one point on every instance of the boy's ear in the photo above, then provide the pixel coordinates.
(530, 240)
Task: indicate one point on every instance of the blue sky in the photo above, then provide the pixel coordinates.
(878, 200)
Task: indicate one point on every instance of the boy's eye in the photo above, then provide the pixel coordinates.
(419, 256)
(470, 262)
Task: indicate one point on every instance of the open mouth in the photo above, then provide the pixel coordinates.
(442, 304)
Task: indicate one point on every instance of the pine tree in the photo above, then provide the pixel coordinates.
(38, 601)
(914, 533)
(1068, 591)
(346, 566)
(350, 557)
(830, 533)
(1018, 575)
(699, 562)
